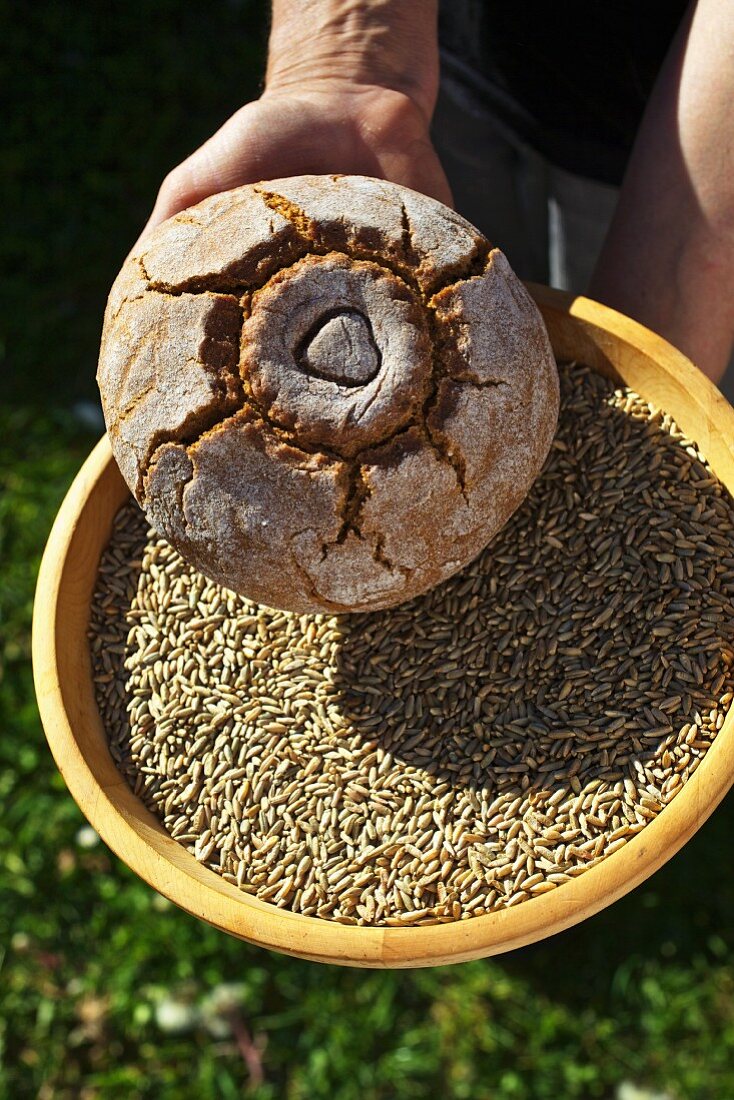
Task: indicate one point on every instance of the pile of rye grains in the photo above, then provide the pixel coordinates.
(463, 752)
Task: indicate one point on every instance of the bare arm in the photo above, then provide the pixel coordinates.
(388, 43)
(350, 87)
(668, 259)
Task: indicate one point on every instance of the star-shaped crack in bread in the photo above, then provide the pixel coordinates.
(372, 488)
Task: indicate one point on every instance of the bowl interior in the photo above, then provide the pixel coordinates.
(579, 330)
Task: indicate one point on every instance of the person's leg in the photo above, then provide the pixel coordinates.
(579, 213)
(499, 183)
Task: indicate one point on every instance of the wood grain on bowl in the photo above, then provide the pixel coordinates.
(579, 329)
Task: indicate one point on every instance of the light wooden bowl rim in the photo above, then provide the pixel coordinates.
(579, 328)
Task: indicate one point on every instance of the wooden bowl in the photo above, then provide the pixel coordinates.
(579, 329)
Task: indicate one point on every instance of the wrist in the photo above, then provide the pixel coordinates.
(345, 45)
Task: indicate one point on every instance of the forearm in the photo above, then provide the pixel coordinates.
(350, 88)
(669, 257)
(389, 43)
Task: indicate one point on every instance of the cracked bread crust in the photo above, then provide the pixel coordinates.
(328, 393)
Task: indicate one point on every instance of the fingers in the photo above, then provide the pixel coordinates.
(219, 164)
(365, 134)
(182, 187)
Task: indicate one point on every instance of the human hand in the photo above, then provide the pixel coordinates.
(322, 129)
(350, 88)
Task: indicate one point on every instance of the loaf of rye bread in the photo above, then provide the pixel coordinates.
(328, 392)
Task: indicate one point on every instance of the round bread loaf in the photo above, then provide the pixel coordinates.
(328, 392)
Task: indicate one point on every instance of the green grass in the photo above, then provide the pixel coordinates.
(110, 99)
(94, 963)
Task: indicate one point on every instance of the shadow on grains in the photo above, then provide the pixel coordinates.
(596, 627)
(512, 726)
